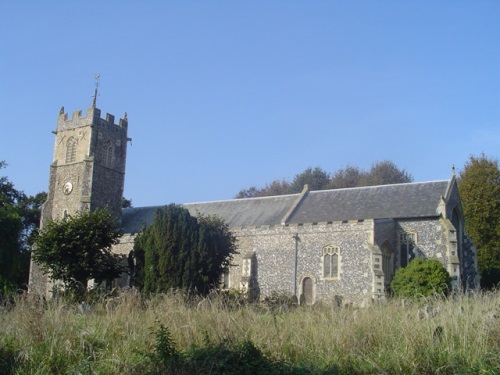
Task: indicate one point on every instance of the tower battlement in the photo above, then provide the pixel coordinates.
(92, 117)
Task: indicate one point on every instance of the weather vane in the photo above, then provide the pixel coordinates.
(96, 76)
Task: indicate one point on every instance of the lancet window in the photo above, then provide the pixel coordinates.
(407, 244)
(71, 150)
(330, 262)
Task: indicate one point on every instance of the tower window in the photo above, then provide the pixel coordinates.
(71, 150)
(330, 262)
(107, 154)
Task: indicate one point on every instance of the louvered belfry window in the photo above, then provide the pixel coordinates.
(71, 150)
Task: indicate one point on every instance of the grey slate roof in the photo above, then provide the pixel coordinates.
(236, 212)
(373, 202)
(411, 200)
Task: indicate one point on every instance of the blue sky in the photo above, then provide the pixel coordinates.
(223, 95)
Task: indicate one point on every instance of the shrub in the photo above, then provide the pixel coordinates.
(422, 277)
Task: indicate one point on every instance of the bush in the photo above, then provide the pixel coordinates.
(422, 277)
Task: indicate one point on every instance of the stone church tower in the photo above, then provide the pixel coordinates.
(87, 172)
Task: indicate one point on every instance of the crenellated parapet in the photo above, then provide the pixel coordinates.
(91, 117)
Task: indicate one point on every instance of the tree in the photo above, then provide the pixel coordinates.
(126, 203)
(381, 173)
(347, 177)
(182, 252)
(422, 277)
(384, 173)
(479, 188)
(316, 179)
(78, 249)
(19, 216)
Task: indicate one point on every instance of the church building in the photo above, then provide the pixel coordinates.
(341, 245)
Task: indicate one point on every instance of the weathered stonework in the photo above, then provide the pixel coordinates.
(282, 241)
(87, 172)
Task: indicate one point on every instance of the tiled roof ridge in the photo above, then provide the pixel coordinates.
(379, 186)
(242, 199)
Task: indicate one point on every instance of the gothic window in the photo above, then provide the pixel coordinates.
(387, 262)
(330, 262)
(407, 244)
(71, 150)
(107, 154)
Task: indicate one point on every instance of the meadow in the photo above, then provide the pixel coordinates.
(180, 334)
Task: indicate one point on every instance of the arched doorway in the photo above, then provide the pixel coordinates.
(307, 291)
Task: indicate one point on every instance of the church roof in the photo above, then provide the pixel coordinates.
(373, 202)
(412, 200)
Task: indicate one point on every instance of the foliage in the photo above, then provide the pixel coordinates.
(55, 338)
(19, 216)
(126, 203)
(479, 187)
(384, 173)
(316, 179)
(422, 277)
(78, 248)
(381, 173)
(280, 301)
(181, 251)
(165, 354)
(346, 178)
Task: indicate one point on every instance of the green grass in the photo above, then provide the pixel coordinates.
(185, 335)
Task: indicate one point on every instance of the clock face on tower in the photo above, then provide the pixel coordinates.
(68, 188)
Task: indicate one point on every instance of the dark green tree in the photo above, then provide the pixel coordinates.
(126, 203)
(251, 192)
(316, 179)
(479, 188)
(347, 177)
(78, 249)
(422, 277)
(182, 252)
(19, 216)
(381, 173)
(384, 173)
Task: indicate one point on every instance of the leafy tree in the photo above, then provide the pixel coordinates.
(384, 173)
(181, 251)
(277, 187)
(422, 277)
(78, 248)
(479, 188)
(126, 203)
(347, 177)
(19, 216)
(381, 173)
(251, 192)
(316, 179)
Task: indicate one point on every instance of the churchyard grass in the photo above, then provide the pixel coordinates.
(181, 334)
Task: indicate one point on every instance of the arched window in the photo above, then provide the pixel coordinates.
(107, 154)
(330, 262)
(387, 262)
(71, 150)
(407, 244)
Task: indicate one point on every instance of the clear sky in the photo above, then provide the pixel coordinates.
(223, 95)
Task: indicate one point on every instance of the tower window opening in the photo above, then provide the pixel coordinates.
(71, 150)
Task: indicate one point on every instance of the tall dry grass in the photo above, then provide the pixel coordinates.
(460, 334)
